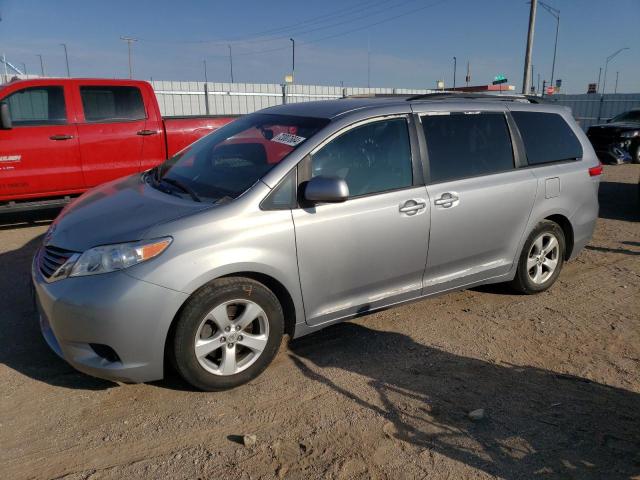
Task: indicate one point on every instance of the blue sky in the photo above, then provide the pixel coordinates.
(412, 42)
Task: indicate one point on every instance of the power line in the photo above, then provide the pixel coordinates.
(259, 38)
(340, 34)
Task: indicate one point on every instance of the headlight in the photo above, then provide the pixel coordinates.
(109, 258)
(630, 134)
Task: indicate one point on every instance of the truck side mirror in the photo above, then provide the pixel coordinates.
(5, 116)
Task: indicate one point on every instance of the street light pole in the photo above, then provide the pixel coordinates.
(129, 41)
(66, 58)
(555, 13)
(231, 62)
(293, 60)
(604, 80)
(41, 64)
(527, 58)
(455, 64)
(24, 68)
(204, 62)
(615, 89)
(606, 65)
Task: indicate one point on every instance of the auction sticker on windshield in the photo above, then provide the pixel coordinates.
(288, 139)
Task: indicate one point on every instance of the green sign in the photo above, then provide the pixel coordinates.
(499, 79)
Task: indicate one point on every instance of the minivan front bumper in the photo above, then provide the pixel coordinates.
(85, 319)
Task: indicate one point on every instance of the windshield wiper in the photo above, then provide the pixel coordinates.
(181, 186)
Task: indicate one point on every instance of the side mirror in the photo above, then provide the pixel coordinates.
(326, 190)
(5, 116)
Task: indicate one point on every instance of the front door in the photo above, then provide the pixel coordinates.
(112, 132)
(480, 201)
(39, 156)
(369, 251)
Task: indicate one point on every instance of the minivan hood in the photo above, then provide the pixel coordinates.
(116, 212)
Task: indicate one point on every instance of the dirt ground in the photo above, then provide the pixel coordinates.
(386, 396)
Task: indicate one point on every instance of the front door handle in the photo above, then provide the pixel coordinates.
(61, 137)
(413, 206)
(146, 132)
(447, 200)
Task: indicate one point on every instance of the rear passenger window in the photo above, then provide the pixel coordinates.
(37, 106)
(372, 158)
(105, 104)
(547, 137)
(464, 145)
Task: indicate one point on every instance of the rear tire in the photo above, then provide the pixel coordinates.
(541, 259)
(227, 334)
(635, 154)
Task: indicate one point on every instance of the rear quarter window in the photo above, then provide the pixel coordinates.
(112, 103)
(547, 137)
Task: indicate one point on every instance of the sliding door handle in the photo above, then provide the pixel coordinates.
(447, 200)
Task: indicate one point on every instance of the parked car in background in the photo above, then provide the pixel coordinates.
(307, 214)
(60, 137)
(618, 140)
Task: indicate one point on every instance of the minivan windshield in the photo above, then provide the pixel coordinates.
(224, 164)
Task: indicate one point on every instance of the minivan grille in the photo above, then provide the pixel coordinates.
(51, 259)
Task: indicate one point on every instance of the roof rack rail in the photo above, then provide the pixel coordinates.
(377, 95)
(475, 96)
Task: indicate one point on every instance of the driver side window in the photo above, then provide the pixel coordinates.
(372, 158)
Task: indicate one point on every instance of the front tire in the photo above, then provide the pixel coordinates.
(227, 334)
(541, 259)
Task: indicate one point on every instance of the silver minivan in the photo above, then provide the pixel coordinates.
(303, 215)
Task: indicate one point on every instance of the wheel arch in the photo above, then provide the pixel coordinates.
(567, 229)
(280, 291)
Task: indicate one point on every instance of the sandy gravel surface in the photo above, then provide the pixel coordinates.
(386, 396)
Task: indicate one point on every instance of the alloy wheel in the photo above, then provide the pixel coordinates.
(231, 337)
(542, 260)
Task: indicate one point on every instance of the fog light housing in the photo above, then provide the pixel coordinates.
(105, 352)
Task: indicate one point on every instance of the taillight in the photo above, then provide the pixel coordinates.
(595, 171)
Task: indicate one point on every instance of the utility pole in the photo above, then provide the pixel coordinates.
(66, 58)
(129, 41)
(527, 58)
(231, 62)
(205, 71)
(615, 89)
(41, 64)
(468, 77)
(538, 88)
(293, 60)
(455, 64)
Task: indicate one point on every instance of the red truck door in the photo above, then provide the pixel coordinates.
(39, 156)
(112, 130)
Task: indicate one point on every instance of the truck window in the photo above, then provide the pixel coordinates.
(547, 137)
(462, 145)
(37, 106)
(111, 104)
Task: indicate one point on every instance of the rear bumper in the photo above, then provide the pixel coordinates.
(130, 316)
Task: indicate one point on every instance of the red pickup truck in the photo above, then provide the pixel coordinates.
(60, 137)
